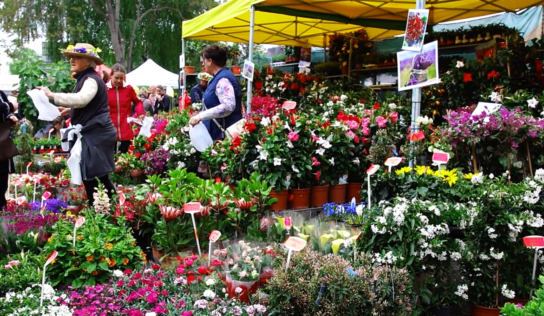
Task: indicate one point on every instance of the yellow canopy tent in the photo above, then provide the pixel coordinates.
(305, 22)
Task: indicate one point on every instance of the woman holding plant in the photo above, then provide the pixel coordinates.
(7, 120)
(90, 114)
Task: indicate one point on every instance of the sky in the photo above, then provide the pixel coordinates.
(5, 60)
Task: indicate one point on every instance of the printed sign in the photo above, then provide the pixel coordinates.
(46, 195)
(51, 257)
(215, 235)
(193, 207)
(533, 241)
(289, 105)
(80, 222)
(295, 243)
(21, 200)
(393, 161)
(122, 199)
(441, 157)
(372, 169)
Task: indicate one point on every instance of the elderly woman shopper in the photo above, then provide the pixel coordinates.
(89, 110)
(121, 96)
(7, 120)
(223, 97)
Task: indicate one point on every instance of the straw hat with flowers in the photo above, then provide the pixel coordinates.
(83, 50)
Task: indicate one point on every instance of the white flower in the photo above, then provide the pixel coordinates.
(496, 255)
(491, 176)
(150, 314)
(392, 106)
(359, 210)
(118, 273)
(460, 64)
(490, 231)
(461, 291)
(507, 293)
(495, 97)
(331, 161)
(289, 144)
(295, 169)
(356, 161)
(265, 121)
(202, 304)
(477, 178)
(210, 282)
(209, 294)
(532, 103)
(343, 97)
(455, 256)
(277, 162)
(263, 155)
(320, 151)
(238, 290)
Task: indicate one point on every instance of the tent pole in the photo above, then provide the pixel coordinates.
(181, 70)
(250, 55)
(416, 95)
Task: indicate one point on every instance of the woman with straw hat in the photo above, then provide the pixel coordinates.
(90, 115)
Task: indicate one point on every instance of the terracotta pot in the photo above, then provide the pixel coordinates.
(136, 173)
(354, 191)
(485, 311)
(166, 261)
(301, 199)
(157, 254)
(337, 193)
(344, 70)
(319, 196)
(236, 70)
(281, 204)
(189, 70)
(515, 301)
(75, 209)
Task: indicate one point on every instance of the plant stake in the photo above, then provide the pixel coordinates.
(214, 237)
(370, 171)
(46, 195)
(122, 200)
(28, 166)
(440, 159)
(537, 243)
(392, 162)
(293, 244)
(49, 260)
(192, 208)
(80, 221)
(34, 193)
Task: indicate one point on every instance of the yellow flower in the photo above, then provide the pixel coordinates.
(79, 237)
(403, 170)
(90, 258)
(111, 263)
(125, 262)
(50, 239)
(144, 257)
(450, 176)
(424, 170)
(97, 50)
(68, 236)
(53, 262)
(69, 48)
(109, 246)
(469, 176)
(70, 214)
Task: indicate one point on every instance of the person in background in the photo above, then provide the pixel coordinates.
(197, 92)
(56, 125)
(88, 107)
(120, 99)
(7, 120)
(162, 102)
(152, 94)
(143, 95)
(105, 76)
(223, 97)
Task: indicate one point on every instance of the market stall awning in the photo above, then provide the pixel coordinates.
(304, 22)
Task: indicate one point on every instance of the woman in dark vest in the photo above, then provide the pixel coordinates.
(7, 120)
(89, 110)
(223, 97)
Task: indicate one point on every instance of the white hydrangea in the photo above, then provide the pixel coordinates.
(507, 293)
(455, 256)
(490, 232)
(462, 290)
(539, 175)
(496, 255)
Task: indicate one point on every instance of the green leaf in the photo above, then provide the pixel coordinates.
(91, 267)
(77, 283)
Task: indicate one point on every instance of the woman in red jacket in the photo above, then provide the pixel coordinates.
(120, 98)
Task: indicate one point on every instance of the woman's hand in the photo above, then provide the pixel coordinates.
(194, 120)
(14, 119)
(48, 92)
(64, 111)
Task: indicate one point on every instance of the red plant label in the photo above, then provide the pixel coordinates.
(295, 243)
(43, 209)
(52, 257)
(122, 199)
(29, 164)
(287, 222)
(58, 159)
(193, 207)
(289, 105)
(441, 157)
(533, 241)
(215, 235)
(372, 169)
(359, 236)
(80, 222)
(46, 195)
(392, 162)
(20, 200)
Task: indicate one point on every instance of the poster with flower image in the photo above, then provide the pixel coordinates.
(418, 69)
(416, 25)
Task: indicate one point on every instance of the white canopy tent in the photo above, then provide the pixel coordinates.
(9, 82)
(150, 74)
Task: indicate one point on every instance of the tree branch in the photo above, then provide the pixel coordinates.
(97, 9)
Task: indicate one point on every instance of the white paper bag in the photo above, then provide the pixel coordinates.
(47, 111)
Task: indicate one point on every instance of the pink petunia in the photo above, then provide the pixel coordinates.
(381, 121)
(293, 136)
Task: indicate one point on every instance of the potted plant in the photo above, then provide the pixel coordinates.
(244, 272)
(75, 198)
(301, 144)
(234, 56)
(136, 166)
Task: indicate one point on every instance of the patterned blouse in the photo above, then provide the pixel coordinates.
(225, 93)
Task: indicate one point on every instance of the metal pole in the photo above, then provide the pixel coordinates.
(182, 88)
(534, 272)
(350, 54)
(416, 94)
(250, 54)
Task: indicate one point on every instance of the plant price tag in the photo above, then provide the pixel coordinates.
(293, 244)
(534, 241)
(52, 257)
(392, 162)
(215, 235)
(58, 159)
(441, 158)
(191, 208)
(289, 105)
(20, 200)
(372, 169)
(46, 195)
(122, 199)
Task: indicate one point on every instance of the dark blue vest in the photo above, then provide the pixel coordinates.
(211, 100)
(98, 105)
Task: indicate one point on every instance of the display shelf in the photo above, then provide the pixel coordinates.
(374, 69)
(335, 76)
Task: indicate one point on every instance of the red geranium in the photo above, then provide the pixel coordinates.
(467, 77)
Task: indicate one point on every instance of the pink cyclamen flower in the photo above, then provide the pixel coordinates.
(315, 162)
(293, 136)
(381, 121)
(7, 266)
(238, 290)
(352, 124)
(350, 134)
(14, 262)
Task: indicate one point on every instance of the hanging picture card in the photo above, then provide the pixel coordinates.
(416, 26)
(418, 69)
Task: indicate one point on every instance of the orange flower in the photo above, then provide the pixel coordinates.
(73, 252)
(90, 258)
(144, 257)
(102, 258)
(50, 239)
(111, 262)
(125, 262)
(80, 237)
(109, 246)
(95, 272)
(53, 262)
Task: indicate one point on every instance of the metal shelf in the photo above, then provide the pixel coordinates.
(375, 69)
